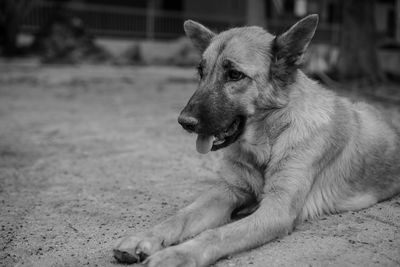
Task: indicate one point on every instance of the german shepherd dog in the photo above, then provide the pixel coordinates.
(291, 147)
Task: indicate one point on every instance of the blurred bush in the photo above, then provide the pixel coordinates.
(179, 52)
(320, 58)
(65, 39)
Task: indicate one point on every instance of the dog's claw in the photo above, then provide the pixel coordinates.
(141, 255)
(126, 257)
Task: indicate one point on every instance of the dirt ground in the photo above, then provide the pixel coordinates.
(89, 154)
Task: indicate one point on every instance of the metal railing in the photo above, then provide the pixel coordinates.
(123, 21)
(105, 20)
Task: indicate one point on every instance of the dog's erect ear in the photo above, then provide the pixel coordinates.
(294, 42)
(287, 49)
(199, 35)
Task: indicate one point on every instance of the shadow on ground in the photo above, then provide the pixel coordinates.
(89, 154)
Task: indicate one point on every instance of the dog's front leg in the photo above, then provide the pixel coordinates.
(275, 217)
(210, 210)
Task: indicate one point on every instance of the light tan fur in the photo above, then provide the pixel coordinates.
(315, 153)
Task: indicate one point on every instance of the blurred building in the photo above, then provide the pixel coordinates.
(163, 19)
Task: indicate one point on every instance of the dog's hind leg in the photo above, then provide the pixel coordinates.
(210, 210)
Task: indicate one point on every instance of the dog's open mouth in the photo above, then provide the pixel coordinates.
(205, 143)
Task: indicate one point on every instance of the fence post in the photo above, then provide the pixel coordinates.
(397, 26)
(150, 15)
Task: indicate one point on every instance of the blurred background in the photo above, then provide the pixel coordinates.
(90, 147)
(355, 38)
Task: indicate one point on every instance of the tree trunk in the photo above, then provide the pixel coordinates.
(10, 37)
(358, 58)
(256, 13)
(397, 14)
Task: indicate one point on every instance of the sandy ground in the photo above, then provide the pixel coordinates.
(89, 154)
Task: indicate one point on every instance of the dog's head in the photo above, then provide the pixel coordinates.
(242, 72)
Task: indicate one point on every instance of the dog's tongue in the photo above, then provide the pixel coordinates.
(204, 143)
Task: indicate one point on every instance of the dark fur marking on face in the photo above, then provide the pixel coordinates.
(240, 87)
(221, 48)
(227, 64)
(201, 67)
(214, 108)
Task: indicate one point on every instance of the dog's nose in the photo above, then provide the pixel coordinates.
(188, 123)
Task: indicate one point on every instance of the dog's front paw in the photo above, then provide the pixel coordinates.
(171, 257)
(134, 249)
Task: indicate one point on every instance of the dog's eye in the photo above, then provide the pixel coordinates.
(234, 75)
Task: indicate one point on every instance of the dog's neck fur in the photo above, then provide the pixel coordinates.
(302, 110)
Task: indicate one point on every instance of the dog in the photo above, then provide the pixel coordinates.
(291, 148)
